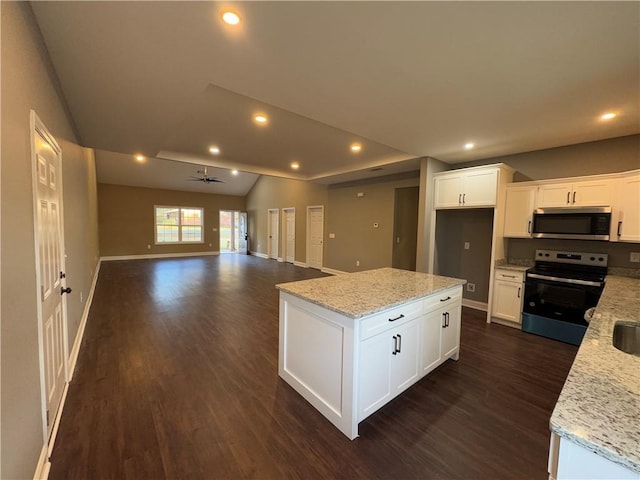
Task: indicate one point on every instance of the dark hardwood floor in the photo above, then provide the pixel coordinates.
(177, 378)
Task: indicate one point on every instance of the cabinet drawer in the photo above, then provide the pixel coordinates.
(509, 275)
(390, 318)
(443, 299)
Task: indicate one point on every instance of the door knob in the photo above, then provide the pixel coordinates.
(65, 290)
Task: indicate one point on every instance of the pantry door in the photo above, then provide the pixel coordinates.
(49, 241)
(273, 215)
(289, 231)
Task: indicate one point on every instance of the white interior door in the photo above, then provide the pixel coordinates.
(243, 244)
(289, 234)
(49, 239)
(274, 222)
(315, 229)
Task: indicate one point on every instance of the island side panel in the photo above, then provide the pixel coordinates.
(316, 353)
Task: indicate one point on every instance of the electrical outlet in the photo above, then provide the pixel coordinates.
(148, 247)
(467, 245)
(357, 263)
(634, 257)
(471, 287)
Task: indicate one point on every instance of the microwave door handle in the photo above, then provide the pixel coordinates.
(571, 281)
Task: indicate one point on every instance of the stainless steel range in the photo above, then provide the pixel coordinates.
(559, 290)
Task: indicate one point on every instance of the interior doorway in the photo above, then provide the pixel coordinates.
(289, 234)
(233, 232)
(405, 228)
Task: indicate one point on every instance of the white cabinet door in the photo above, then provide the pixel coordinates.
(374, 378)
(405, 366)
(628, 207)
(555, 195)
(431, 333)
(591, 193)
(518, 211)
(596, 193)
(389, 364)
(507, 300)
(448, 191)
(450, 339)
(480, 188)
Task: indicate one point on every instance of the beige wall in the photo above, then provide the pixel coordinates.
(274, 192)
(351, 219)
(126, 216)
(592, 158)
(28, 82)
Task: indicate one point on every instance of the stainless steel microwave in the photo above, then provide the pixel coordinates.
(589, 223)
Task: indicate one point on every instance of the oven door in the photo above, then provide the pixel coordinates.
(559, 298)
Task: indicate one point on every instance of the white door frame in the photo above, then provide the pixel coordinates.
(273, 231)
(37, 127)
(308, 242)
(285, 250)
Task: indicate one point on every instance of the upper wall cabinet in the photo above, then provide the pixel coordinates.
(518, 210)
(468, 187)
(591, 193)
(626, 209)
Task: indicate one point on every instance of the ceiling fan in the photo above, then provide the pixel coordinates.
(203, 177)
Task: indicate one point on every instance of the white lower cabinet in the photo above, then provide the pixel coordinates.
(441, 333)
(508, 293)
(388, 365)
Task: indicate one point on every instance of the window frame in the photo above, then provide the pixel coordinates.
(180, 241)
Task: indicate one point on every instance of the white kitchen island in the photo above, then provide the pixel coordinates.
(350, 343)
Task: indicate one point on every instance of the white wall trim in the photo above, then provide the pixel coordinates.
(300, 264)
(157, 255)
(260, 255)
(42, 468)
(483, 306)
(75, 350)
(332, 271)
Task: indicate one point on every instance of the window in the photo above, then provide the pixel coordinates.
(179, 225)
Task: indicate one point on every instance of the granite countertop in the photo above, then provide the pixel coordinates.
(599, 406)
(356, 295)
(512, 267)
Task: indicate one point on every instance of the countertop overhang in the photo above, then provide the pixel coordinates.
(359, 294)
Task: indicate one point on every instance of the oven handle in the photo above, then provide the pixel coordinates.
(565, 280)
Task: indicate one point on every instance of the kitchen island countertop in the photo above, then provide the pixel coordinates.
(599, 406)
(359, 294)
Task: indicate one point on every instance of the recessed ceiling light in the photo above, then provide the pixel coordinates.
(608, 116)
(214, 150)
(295, 165)
(261, 118)
(230, 18)
(356, 147)
(469, 145)
(234, 172)
(140, 158)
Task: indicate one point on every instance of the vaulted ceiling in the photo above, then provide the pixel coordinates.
(168, 80)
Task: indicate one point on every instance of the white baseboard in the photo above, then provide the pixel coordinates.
(260, 255)
(475, 304)
(75, 350)
(281, 260)
(157, 255)
(42, 468)
(300, 264)
(332, 271)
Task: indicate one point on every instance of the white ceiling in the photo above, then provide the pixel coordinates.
(405, 79)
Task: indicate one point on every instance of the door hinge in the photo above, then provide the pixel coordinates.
(47, 418)
(42, 293)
